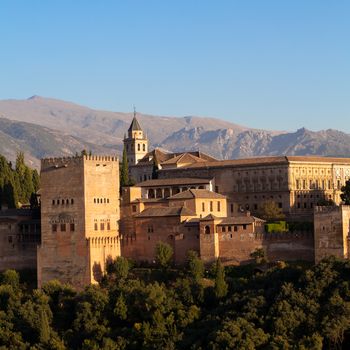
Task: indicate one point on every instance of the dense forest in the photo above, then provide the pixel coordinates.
(17, 184)
(285, 306)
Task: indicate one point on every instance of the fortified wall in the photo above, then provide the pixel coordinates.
(331, 226)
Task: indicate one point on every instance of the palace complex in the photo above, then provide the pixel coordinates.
(189, 200)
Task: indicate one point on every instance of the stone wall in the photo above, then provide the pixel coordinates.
(19, 237)
(331, 229)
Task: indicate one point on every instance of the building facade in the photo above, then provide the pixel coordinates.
(296, 184)
(19, 237)
(80, 218)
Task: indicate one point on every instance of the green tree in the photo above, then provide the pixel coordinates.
(259, 255)
(345, 195)
(120, 267)
(124, 170)
(164, 254)
(35, 180)
(270, 211)
(195, 266)
(220, 286)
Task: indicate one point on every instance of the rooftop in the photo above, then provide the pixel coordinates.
(135, 125)
(268, 160)
(172, 182)
(197, 194)
(166, 211)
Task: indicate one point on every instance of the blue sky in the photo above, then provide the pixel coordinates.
(267, 64)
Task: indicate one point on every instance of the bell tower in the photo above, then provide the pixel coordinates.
(136, 144)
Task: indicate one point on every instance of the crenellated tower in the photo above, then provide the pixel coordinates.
(136, 143)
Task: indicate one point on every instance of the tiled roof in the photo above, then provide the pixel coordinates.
(266, 161)
(184, 158)
(135, 125)
(173, 181)
(197, 194)
(166, 211)
(163, 156)
(240, 220)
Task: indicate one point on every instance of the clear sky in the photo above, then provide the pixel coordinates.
(279, 64)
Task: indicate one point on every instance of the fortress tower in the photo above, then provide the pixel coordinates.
(136, 143)
(80, 216)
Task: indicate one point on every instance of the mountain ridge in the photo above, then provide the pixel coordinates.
(69, 125)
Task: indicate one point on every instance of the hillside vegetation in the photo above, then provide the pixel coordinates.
(286, 307)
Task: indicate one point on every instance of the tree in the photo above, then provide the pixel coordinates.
(164, 254)
(195, 266)
(120, 267)
(259, 255)
(155, 168)
(269, 211)
(35, 180)
(345, 196)
(124, 170)
(220, 287)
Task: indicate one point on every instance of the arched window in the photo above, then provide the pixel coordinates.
(144, 147)
(207, 230)
(138, 147)
(72, 201)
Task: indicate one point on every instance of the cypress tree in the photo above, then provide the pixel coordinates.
(220, 287)
(124, 171)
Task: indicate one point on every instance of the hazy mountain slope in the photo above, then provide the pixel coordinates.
(39, 142)
(98, 126)
(105, 130)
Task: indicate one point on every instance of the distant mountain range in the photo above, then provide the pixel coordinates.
(43, 127)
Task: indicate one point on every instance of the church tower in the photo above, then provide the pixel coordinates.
(136, 144)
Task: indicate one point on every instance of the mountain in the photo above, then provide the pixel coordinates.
(49, 127)
(39, 142)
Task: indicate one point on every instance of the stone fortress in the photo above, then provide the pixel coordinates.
(189, 200)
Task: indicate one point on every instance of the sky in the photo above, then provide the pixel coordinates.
(279, 65)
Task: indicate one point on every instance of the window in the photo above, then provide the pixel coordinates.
(280, 205)
(96, 227)
(134, 208)
(219, 206)
(203, 206)
(58, 201)
(102, 226)
(53, 202)
(54, 227)
(207, 230)
(98, 200)
(244, 227)
(235, 228)
(223, 229)
(104, 200)
(298, 205)
(108, 226)
(94, 200)
(144, 147)
(305, 205)
(107, 200)
(63, 227)
(150, 228)
(72, 227)
(211, 206)
(10, 239)
(229, 228)
(231, 208)
(72, 201)
(138, 147)
(255, 207)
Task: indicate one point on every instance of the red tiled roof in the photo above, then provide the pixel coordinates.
(166, 211)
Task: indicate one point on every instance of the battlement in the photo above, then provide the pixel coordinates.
(65, 161)
(331, 209)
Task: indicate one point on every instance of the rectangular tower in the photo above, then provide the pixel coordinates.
(80, 217)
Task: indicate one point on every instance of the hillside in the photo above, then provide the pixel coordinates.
(46, 127)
